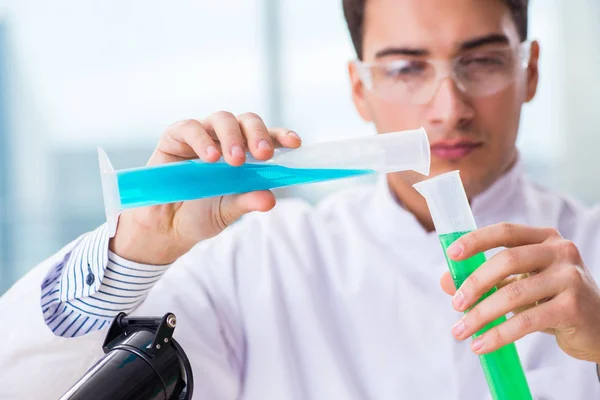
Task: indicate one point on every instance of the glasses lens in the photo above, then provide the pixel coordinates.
(403, 80)
(484, 73)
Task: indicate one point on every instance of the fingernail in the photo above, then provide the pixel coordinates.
(477, 345)
(237, 151)
(458, 329)
(211, 151)
(294, 134)
(458, 300)
(455, 250)
(264, 145)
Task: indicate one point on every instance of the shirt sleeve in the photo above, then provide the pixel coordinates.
(197, 288)
(88, 286)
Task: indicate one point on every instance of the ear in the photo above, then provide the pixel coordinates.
(358, 93)
(533, 73)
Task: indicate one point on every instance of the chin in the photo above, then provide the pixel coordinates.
(439, 168)
(474, 176)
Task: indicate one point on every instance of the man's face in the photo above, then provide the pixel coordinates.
(474, 134)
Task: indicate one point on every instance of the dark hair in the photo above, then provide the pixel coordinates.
(354, 11)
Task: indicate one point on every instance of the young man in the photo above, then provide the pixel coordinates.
(341, 301)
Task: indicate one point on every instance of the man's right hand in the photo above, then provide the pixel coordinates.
(161, 234)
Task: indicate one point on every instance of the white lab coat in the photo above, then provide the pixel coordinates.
(341, 301)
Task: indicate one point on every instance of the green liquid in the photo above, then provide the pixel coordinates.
(502, 368)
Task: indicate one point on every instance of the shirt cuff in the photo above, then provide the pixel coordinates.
(124, 286)
(92, 268)
(91, 285)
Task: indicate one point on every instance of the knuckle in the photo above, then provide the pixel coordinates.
(475, 315)
(249, 116)
(188, 123)
(254, 127)
(470, 284)
(572, 275)
(552, 233)
(545, 318)
(510, 259)
(525, 321)
(184, 124)
(569, 250)
(494, 336)
(468, 240)
(568, 303)
(221, 115)
(507, 229)
(515, 291)
(170, 144)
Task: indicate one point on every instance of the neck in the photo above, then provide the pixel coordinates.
(401, 188)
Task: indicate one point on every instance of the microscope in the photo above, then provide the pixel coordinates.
(142, 361)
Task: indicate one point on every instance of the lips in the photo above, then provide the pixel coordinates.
(454, 150)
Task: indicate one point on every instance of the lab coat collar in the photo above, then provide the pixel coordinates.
(501, 199)
(491, 206)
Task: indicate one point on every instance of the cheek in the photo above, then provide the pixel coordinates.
(392, 117)
(499, 117)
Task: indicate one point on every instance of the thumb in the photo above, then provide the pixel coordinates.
(232, 208)
(447, 283)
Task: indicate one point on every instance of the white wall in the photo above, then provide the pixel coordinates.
(116, 73)
(581, 103)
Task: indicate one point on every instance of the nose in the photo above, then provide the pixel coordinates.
(449, 107)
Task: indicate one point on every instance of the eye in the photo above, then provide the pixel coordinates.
(483, 60)
(406, 69)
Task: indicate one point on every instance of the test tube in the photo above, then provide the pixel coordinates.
(453, 218)
(318, 162)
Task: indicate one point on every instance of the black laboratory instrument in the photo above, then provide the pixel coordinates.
(142, 361)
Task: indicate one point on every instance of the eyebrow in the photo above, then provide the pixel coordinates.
(494, 38)
(401, 51)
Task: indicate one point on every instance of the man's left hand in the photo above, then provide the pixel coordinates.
(541, 278)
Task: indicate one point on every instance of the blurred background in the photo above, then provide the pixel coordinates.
(76, 74)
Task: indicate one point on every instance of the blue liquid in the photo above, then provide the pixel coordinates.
(191, 180)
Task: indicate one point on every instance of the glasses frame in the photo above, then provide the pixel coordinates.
(447, 66)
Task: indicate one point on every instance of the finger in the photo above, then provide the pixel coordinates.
(256, 135)
(535, 319)
(499, 235)
(447, 283)
(518, 260)
(518, 294)
(229, 134)
(283, 137)
(185, 140)
(233, 207)
(512, 279)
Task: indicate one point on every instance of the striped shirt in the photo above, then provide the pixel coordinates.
(91, 285)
